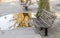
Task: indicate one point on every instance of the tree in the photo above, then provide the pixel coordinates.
(43, 4)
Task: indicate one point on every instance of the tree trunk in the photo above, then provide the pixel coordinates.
(43, 4)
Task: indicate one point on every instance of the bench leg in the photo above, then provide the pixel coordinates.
(26, 8)
(46, 31)
(41, 28)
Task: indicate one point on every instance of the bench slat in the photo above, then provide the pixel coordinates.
(38, 24)
(48, 17)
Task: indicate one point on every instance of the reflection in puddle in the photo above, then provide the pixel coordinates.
(23, 19)
(4, 21)
(11, 21)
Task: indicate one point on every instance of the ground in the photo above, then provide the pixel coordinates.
(15, 7)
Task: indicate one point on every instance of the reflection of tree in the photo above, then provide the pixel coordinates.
(43, 4)
(22, 19)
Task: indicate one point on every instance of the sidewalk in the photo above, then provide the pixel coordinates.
(9, 8)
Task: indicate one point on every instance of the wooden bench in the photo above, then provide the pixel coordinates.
(45, 21)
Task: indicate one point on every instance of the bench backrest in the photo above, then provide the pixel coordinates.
(48, 17)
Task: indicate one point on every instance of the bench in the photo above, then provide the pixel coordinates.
(45, 21)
